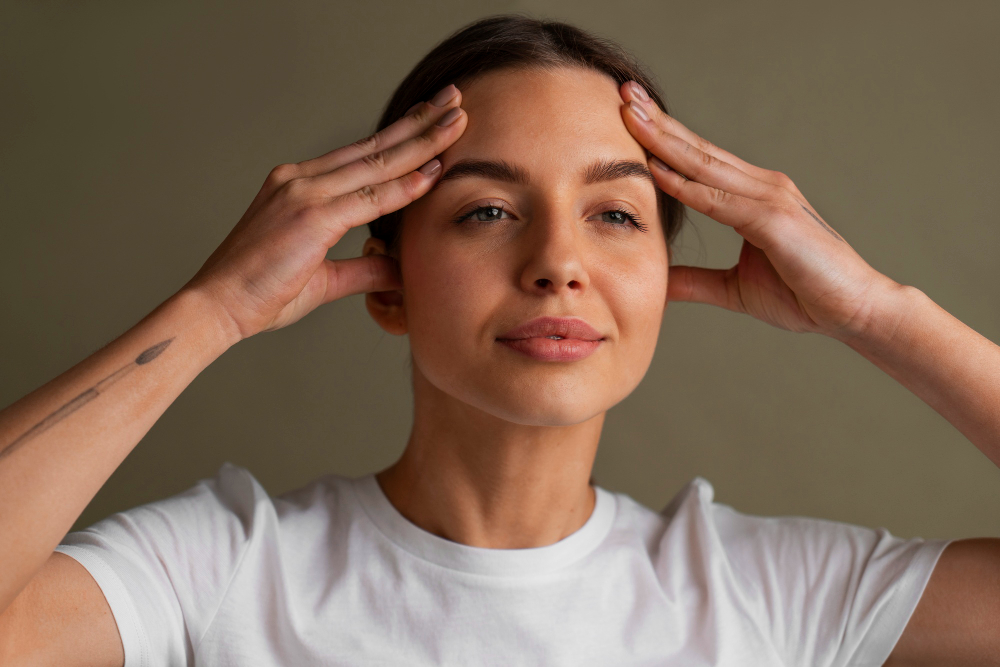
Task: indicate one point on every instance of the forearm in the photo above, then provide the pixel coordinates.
(61, 443)
(947, 364)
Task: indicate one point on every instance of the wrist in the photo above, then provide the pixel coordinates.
(219, 330)
(888, 322)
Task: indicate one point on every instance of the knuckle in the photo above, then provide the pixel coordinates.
(705, 145)
(297, 188)
(410, 188)
(428, 138)
(422, 114)
(370, 197)
(282, 174)
(375, 161)
(783, 180)
(718, 197)
(706, 160)
(715, 199)
(370, 144)
(781, 195)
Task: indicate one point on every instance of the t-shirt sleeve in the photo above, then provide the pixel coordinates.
(833, 594)
(164, 567)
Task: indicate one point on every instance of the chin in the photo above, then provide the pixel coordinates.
(536, 404)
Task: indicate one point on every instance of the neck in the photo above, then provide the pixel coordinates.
(476, 479)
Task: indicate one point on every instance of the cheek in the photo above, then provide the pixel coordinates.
(637, 298)
(448, 298)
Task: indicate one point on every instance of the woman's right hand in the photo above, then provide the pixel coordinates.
(272, 269)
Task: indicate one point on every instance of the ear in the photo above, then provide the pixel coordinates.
(386, 308)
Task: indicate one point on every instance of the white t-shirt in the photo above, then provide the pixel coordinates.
(333, 574)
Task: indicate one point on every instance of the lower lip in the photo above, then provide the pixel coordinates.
(550, 349)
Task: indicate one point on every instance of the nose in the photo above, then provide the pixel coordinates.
(554, 251)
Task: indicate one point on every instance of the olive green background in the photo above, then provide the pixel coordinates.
(134, 135)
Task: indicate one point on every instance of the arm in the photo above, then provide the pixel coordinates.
(945, 363)
(797, 273)
(60, 443)
(956, 371)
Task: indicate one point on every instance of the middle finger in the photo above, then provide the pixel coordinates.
(633, 91)
(692, 162)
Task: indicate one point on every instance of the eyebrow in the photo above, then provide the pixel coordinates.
(500, 170)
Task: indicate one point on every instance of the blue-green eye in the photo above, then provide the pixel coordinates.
(624, 218)
(488, 214)
(483, 214)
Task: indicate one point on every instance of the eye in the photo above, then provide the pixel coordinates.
(483, 214)
(622, 218)
(490, 213)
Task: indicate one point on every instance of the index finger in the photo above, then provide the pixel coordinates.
(631, 90)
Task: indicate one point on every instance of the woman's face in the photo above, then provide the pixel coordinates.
(558, 248)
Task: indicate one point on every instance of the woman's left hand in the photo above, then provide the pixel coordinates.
(794, 270)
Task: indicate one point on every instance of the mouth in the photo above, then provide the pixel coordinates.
(553, 328)
(552, 348)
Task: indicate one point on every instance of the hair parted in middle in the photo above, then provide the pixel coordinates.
(515, 41)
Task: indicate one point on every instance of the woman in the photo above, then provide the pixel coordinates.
(530, 268)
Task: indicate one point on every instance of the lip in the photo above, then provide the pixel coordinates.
(579, 339)
(565, 327)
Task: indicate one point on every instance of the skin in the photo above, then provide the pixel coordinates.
(503, 445)
(491, 467)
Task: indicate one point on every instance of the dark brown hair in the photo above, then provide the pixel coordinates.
(515, 41)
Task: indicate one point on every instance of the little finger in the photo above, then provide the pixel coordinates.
(396, 160)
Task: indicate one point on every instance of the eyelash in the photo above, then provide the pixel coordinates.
(633, 218)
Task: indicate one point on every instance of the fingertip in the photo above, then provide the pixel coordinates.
(430, 168)
(658, 163)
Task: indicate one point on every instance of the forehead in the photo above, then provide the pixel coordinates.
(545, 120)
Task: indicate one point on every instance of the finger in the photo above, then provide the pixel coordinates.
(394, 161)
(370, 202)
(715, 287)
(694, 163)
(417, 119)
(359, 275)
(633, 91)
(747, 216)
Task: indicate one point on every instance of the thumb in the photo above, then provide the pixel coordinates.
(358, 275)
(712, 286)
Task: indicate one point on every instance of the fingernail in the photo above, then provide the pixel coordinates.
(658, 163)
(431, 167)
(412, 109)
(450, 117)
(638, 110)
(639, 91)
(444, 95)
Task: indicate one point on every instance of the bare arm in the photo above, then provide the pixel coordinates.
(796, 272)
(60, 443)
(944, 362)
(956, 371)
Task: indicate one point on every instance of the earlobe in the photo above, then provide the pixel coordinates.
(388, 309)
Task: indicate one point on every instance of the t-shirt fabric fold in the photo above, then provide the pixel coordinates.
(332, 574)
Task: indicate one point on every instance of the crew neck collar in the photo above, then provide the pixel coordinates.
(479, 560)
